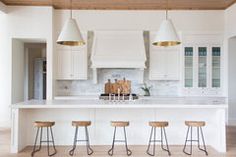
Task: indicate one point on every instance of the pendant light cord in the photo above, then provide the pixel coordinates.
(71, 9)
(167, 5)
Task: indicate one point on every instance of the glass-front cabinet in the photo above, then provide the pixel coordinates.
(188, 66)
(216, 57)
(202, 69)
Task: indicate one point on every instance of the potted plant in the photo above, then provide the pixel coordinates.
(146, 89)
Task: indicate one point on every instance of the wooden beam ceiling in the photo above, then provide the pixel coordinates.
(127, 4)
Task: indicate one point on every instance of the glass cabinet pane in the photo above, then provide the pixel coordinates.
(202, 67)
(188, 64)
(216, 52)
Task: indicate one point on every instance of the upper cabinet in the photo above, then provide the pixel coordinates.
(164, 62)
(202, 69)
(72, 62)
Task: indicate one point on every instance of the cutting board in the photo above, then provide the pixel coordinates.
(123, 85)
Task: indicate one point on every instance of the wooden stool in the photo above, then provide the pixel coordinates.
(198, 125)
(119, 124)
(84, 124)
(40, 125)
(161, 125)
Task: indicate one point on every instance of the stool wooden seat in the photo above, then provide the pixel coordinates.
(158, 124)
(119, 123)
(44, 124)
(81, 123)
(195, 123)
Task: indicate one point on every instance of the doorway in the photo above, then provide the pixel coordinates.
(29, 71)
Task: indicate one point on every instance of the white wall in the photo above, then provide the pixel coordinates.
(33, 23)
(22, 23)
(230, 42)
(18, 71)
(232, 80)
(5, 71)
(230, 21)
(142, 20)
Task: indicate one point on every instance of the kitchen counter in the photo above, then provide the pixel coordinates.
(139, 112)
(163, 102)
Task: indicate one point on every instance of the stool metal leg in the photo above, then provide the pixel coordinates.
(50, 141)
(154, 142)
(203, 141)
(149, 143)
(128, 151)
(35, 143)
(89, 149)
(110, 151)
(167, 146)
(53, 142)
(186, 140)
(71, 152)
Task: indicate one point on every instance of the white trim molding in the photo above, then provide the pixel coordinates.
(232, 121)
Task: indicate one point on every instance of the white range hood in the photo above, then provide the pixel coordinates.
(118, 49)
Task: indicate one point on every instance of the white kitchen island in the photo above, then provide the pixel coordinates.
(139, 113)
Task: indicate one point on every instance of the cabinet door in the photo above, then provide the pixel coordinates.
(79, 64)
(188, 67)
(202, 67)
(157, 69)
(172, 65)
(216, 66)
(64, 66)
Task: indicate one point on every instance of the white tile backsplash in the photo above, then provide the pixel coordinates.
(163, 88)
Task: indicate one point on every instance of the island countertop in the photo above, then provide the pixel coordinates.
(161, 102)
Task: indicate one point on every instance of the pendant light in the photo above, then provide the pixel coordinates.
(70, 34)
(167, 35)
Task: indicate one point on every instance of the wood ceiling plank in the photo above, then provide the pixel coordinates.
(128, 4)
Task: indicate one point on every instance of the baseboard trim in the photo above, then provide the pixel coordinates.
(232, 122)
(5, 124)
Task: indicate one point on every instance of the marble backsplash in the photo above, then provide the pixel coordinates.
(162, 88)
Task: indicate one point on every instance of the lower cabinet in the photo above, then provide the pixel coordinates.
(71, 65)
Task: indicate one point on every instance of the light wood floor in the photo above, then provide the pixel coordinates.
(101, 151)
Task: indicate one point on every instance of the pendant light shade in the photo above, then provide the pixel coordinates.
(70, 34)
(166, 35)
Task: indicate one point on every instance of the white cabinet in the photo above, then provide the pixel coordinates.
(202, 69)
(72, 64)
(164, 63)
